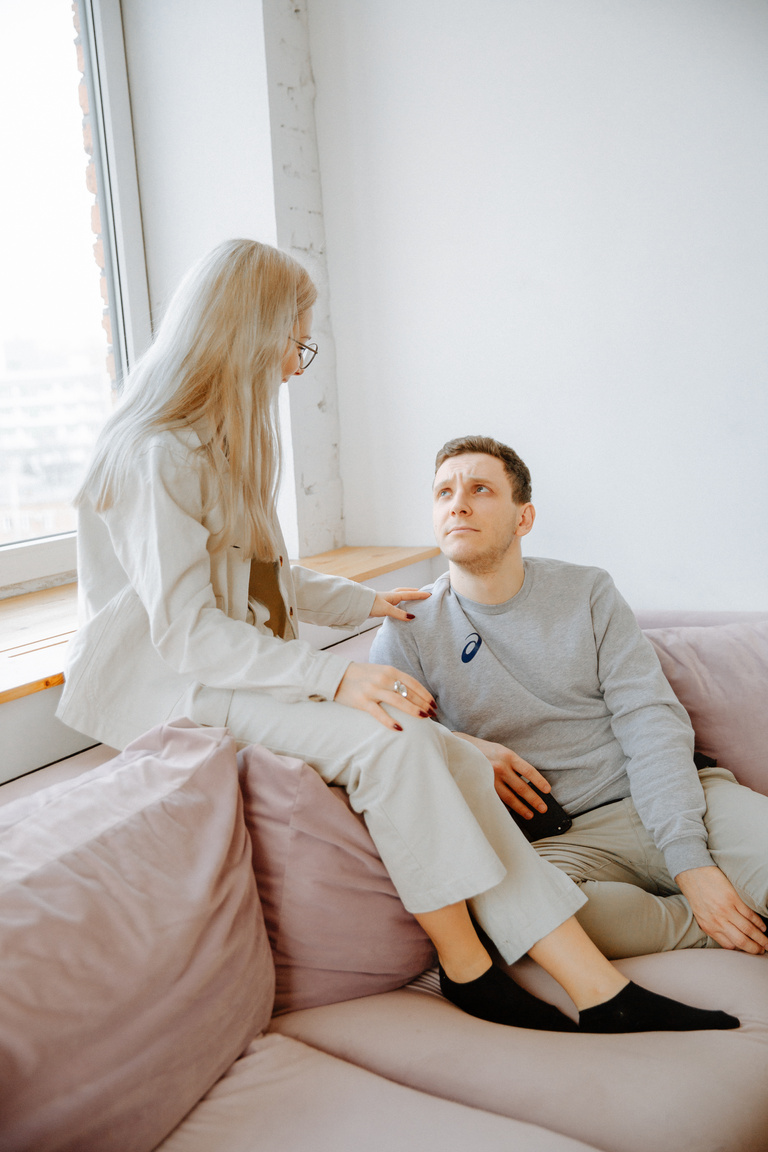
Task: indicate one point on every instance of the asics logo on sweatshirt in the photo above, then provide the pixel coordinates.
(471, 647)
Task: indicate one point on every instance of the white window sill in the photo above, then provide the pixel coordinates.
(35, 564)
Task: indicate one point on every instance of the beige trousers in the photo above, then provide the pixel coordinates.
(634, 905)
(430, 805)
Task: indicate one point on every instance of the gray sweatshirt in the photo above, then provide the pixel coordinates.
(563, 676)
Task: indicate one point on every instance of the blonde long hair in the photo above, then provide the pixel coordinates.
(217, 357)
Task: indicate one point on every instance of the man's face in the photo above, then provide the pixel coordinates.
(474, 517)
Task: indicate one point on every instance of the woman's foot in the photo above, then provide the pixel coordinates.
(635, 1009)
(494, 996)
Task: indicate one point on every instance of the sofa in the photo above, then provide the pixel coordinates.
(202, 952)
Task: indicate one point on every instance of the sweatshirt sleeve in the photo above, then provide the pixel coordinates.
(653, 730)
(157, 531)
(396, 643)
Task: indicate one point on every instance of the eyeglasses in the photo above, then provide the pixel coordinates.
(307, 353)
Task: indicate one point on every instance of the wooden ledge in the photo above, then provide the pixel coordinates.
(35, 628)
(365, 563)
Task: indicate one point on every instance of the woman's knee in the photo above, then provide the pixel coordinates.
(390, 760)
(418, 735)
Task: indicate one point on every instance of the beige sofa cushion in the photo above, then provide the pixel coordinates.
(282, 1096)
(135, 964)
(337, 925)
(647, 1092)
(719, 674)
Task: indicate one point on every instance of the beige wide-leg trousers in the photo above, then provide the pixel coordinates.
(430, 805)
(634, 905)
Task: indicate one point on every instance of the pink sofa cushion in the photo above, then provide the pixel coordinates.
(638, 1092)
(720, 676)
(337, 926)
(136, 966)
(283, 1096)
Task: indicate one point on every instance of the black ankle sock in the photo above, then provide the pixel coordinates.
(635, 1009)
(495, 996)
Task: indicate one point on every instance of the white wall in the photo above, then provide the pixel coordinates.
(212, 162)
(311, 508)
(546, 222)
(198, 82)
(201, 120)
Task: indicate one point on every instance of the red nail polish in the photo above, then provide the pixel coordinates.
(424, 714)
(410, 616)
(398, 728)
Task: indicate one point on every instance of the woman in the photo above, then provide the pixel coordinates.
(191, 610)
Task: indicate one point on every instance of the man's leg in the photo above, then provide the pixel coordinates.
(737, 830)
(634, 908)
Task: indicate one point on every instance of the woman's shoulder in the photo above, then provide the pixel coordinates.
(167, 459)
(179, 447)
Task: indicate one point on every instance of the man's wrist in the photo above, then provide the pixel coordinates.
(681, 877)
(687, 853)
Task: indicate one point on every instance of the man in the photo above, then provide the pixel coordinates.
(542, 666)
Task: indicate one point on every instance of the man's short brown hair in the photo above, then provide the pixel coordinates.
(516, 470)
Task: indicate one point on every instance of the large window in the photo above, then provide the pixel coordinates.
(68, 200)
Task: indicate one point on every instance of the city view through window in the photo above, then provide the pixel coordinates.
(56, 368)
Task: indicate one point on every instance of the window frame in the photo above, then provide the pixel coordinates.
(44, 562)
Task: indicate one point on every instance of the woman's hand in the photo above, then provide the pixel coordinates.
(386, 603)
(511, 773)
(368, 686)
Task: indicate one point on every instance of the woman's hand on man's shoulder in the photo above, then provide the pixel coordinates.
(386, 603)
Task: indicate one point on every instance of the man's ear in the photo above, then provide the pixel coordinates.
(527, 517)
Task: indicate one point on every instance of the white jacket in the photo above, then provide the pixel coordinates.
(166, 627)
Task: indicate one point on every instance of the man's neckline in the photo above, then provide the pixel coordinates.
(504, 605)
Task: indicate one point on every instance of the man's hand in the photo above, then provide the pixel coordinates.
(720, 911)
(509, 768)
(386, 603)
